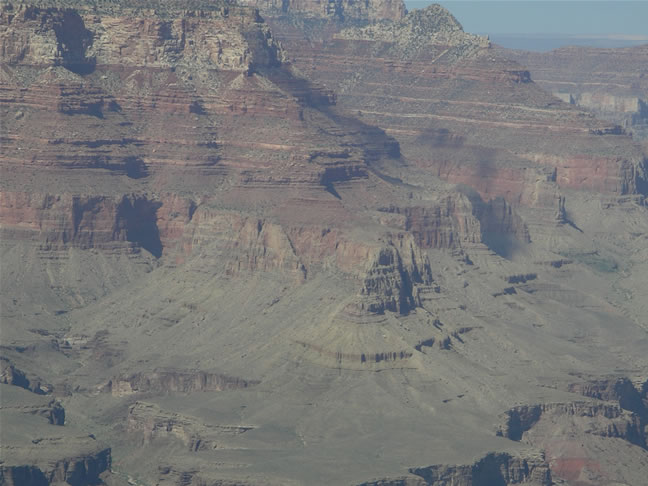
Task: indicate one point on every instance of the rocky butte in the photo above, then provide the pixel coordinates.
(309, 243)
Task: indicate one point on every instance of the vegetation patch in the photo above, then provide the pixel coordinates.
(593, 260)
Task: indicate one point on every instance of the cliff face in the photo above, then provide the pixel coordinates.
(310, 262)
(489, 470)
(492, 469)
(217, 77)
(608, 82)
(101, 107)
(73, 471)
(339, 10)
(571, 433)
(419, 30)
(464, 112)
(38, 449)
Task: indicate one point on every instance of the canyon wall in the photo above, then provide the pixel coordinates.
(464, 112)
(612, 83)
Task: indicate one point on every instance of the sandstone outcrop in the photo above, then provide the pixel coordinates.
(168, 381)
(605, 420)
(51, 410)
(148, 423)
(570, 433)
(620, 390)
(394, 277)
(108, 122)
(74, 471)
(609, 82)
(313, 261)
(337, 10)
(102, 222)
(420, 30)
(10, 375)
(38, 450)
(495, 468)
(447, 96)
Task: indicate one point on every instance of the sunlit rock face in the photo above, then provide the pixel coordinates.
(309, 243)
(611, 83)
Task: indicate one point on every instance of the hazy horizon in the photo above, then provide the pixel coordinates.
(545, 25)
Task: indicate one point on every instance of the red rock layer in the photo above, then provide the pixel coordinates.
(167, 115)
(371, 10)
(108, 104)
(612, 83)
(462, 111)
(190, 134)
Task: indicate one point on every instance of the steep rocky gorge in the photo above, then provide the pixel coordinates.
(38, 449)
(461, 110)
(336, 10)
(337, 257)
(613, 83)
(570, 432)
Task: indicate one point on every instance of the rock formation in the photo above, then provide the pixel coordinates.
(149, 423)
(320, 244)
(492, 469)
(37, 449)
(169, 381)
(447, 96)
(566, 430)
(612, 83)
(337, 10)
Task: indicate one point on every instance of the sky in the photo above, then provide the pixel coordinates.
(628, 17)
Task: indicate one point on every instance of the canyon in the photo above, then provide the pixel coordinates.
(612, 83)
(310, 243)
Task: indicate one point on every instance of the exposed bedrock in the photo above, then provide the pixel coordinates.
(446, 225)
(51, 410)
(602, 419)
(148, 423)
(102, 222)
(621, 390)
(461, 221)
(391, 273)
(254, 243)
(188, 136)
(248, 244)
(214, 74)
(75, 471)
(462, 111)
(339, 10)
(10, 375)
(38, 450)
(609, 82)
(583, 439)
(169, 381)
(495, 469)
(175, 225)
(55, 37)
(78, 38)
(394, 276)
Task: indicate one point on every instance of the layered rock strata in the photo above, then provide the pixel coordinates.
(188, 220)
(603, 419)
(609, 82)
(501, 468)
(169, 381)
(448, 96)
(337, 10)
(148, 423)
(38, 450)
(492, 469)
(570, 433)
